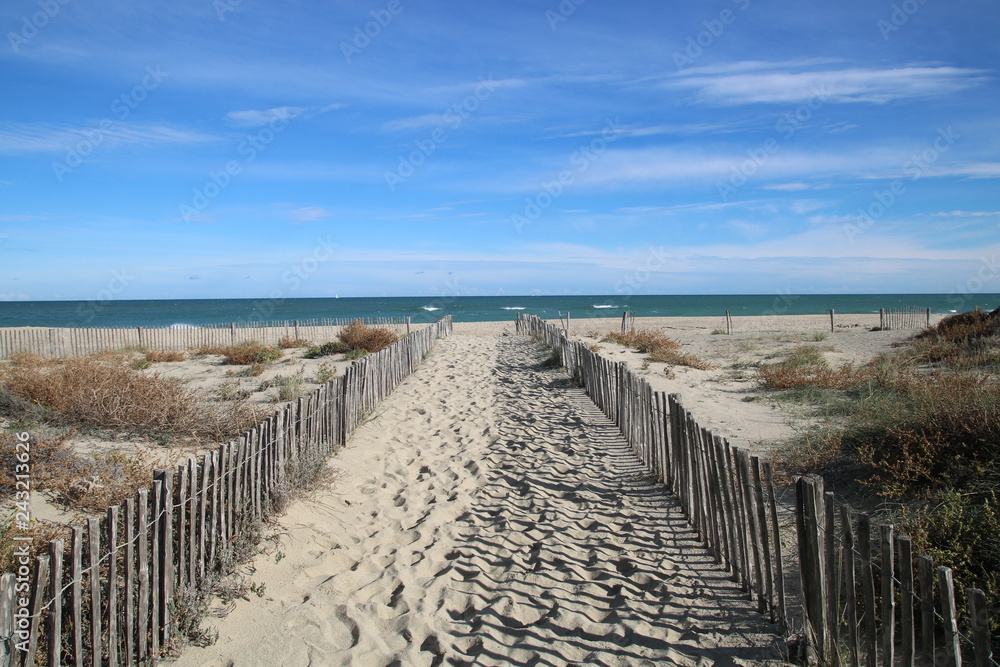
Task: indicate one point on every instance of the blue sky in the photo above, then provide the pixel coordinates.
(243, 148)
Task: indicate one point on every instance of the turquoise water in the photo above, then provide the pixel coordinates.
(195, 312)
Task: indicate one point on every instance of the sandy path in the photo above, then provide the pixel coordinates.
(489, 515)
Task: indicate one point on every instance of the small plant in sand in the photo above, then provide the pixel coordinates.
(287, 342)
(289, 387)
(325, 373)
(356, 353)
(326, 349)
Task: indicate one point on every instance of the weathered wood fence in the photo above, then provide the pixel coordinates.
(728, 497)
(910, 317)
(60, 342)
(110, 596)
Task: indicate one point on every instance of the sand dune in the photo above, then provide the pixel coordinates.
(488, 515)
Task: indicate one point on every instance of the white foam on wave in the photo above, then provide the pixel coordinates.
(512, 308)
(605, 305)
(429, 308)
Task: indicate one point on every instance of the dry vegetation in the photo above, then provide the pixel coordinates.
(921, 428)
(104, 392)
(659, 348)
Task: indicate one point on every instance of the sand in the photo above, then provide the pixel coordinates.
(488, 515)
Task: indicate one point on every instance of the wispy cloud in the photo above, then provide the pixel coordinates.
(261, 117)
(308, 214)
(756, 83)
(18, 138)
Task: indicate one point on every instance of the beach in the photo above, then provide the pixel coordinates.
(489, 514)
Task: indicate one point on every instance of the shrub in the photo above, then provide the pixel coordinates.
(359, 336)
(165, 355)
(356, 353)
(251, 353)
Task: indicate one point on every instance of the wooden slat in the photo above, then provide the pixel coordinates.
(887, 567)
(867, 589)
(850, 586)
(904, 551)
(38, 585)
(143, 619)
(925, 569)
(113, 587)
(76, 596)
(951, 654)
(54, 628)
(980, 620)
(129, 592)
(94, 563)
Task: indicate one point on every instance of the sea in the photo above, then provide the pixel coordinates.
(181, 313)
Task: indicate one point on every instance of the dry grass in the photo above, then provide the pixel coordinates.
(165, 355)
(252, 352)
(287, 343)
(359, 336)
(659, 348)
(642, 340)
(678, 358)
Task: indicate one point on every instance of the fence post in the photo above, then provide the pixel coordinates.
(831, 319)
(881, 319)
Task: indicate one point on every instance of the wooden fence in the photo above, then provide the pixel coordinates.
(60, 342)
(728, 497)
(111, 597)
(910, 317)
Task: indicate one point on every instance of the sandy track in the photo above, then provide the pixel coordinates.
(489, 515)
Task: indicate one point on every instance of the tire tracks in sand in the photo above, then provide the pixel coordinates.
(488, 515)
